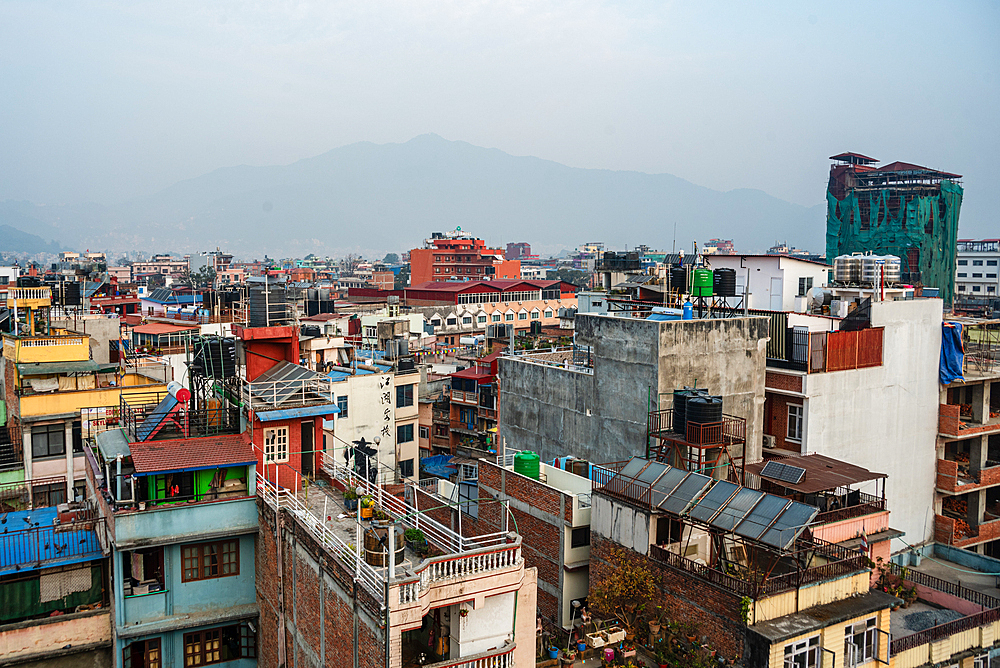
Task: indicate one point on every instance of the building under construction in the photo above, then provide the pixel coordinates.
(897, 209)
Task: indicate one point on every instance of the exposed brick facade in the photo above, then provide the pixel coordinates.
(776, 419)
(782, 381)
(685, 598)
(320, 610)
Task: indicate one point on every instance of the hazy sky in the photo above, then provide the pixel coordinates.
(106, 101)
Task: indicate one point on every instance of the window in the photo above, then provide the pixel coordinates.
(580, 537)
(404, 433)
(404, 396)
(534, 315)
(963, 274)
(43, 496)
(977, 275)
(548, 313)
(523, 315)
(975, 288)
(860, 642)
(961, 288)
(48, 440)
(142, 654)
(371, 331)
(508, 317)
(424, 432)
(436, 322)
(962, 263)
(437, 258)
(991, 288)
(451, 322)
(991, 263)
(406, 468)
(495, 317)
(803, 654)
(481, 320)
(795, 414)
(991, 275)
(142, 571)
(467, 320)
(206, 561)
(342, 405)
(276, 444)
(805, 285)
(977, 263)
(437, 270)
(217, 645)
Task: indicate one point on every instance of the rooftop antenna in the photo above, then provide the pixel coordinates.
(673, 249)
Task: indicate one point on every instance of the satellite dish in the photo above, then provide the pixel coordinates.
(818, 298)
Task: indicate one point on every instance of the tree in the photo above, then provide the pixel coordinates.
(391, 258)
(626, 590)
(402, 279)
(203, 278)
(578, 278)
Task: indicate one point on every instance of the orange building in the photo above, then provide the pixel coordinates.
(456, 256)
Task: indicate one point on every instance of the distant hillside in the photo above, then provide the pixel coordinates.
(378, 198)
(15, 241)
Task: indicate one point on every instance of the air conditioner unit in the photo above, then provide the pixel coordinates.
(769, 442)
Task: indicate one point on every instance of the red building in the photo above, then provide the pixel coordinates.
(456, 256)
(519, 251)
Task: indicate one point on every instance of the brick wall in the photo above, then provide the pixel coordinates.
(319, 607)
(685, 598)
(777, 420)
(783, 381)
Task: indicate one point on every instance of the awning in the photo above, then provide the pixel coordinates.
(51, 368)
(112, 443)
(162, 328)
(289, 413)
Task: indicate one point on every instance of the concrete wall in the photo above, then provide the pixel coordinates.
(369, 396)
(885, 418)
(601, 416)
(101, 330)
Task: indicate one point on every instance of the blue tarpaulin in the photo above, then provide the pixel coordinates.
(952, 352)
(438, 465)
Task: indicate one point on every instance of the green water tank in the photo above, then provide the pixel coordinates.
(526, 463)
(701, 283)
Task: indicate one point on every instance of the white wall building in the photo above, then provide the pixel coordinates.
(976, 273)
(883, 417)
(775, 281)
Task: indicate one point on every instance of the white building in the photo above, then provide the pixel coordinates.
(776, 282)
(976, 272)
(867, 397)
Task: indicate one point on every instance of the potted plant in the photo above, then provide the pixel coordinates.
(581, 646)
(366, 508)
(414, 538)
(662, 653)
(553, 652)
(568, 657)
(654, 621)
(351, 499)
(628, 650)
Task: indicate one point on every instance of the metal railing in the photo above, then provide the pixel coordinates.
(36, 547)
(501, 657)
(21, 491)
(869, 504)
(270, 394)
(730, 430)
(955, 589)
(943, 631)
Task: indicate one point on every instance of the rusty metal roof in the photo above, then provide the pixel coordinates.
(822, 473)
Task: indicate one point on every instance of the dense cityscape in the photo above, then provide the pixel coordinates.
(464, 455)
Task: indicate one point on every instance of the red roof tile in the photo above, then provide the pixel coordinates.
(192, 453)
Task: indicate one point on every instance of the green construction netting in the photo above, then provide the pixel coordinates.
(928, 223)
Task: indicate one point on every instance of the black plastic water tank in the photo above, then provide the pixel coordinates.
(703, 409)
(681, 398)
(724, 282)
(678, 279)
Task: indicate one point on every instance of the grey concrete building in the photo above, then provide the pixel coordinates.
(597, 409)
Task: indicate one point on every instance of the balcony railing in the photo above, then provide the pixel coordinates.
(38, 547)
(731, 430)
(869, 504)
(437, 570)
(269, 395)
(501, 657)
(25, 294)
(19, 494)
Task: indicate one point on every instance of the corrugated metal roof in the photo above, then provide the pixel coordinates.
(46, 368)
(822, 473)
(289, 413)
(112, 443)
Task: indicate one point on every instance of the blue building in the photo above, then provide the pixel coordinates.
(176, 485)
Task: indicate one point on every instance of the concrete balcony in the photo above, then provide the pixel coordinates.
(64, 346)
(957, 533)
(22, 298)
(955, 478)
(467, 398)
(179, 522)
(952, 425)
(45, 638)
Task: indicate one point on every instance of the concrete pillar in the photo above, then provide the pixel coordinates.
(68, 438)
(977, 506)
(977, 455)
(980, 402)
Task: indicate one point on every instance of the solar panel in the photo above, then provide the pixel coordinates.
(709, 505)
(783, 472)
(789, 525)
(652, 472)
(736, 509)
(762, 516)
(665, 485)
(632, 469)
(685, 493)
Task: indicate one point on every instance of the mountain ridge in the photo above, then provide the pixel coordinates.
(377, 198)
